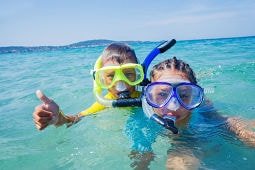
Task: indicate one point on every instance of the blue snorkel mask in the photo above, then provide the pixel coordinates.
(170, 96)
(127, 102)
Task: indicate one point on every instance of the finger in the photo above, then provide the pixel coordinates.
(43, 97)
(43, 106)
(40, 126)
(42, 120)
(42, 113)
(40, 107)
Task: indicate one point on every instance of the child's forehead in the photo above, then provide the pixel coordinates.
(110, 62)
(170, 74)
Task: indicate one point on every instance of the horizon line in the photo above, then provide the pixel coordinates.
(247, 36)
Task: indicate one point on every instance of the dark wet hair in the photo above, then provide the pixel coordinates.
(176, 64)
(119, 52)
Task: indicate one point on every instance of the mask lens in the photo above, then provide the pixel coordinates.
(105, 77)
(133, 74)
(189, 95)
(158, 95)
(130, 74)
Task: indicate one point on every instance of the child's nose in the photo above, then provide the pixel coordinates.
(120, 86)
(173, 104)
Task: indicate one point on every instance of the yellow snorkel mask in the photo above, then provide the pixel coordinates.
(106, 77)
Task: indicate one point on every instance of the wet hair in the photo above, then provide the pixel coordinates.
(119, 52)
(176, 64)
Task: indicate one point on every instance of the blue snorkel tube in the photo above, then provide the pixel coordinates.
(167, 121)
(161, 48)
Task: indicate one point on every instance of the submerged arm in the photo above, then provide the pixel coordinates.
(243, 129)
(183, 161)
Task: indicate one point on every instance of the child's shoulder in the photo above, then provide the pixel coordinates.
(206, 106)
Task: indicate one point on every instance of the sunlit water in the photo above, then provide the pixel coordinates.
(224, 67)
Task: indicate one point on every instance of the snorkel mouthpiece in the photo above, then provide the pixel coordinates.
(124, 95)
(122, 88)
(167, 121)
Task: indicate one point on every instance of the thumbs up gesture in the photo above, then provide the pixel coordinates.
(46, 113)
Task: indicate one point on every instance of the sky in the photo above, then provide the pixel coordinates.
(62, 22)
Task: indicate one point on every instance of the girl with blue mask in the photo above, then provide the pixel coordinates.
(172, 93)
(170, 99)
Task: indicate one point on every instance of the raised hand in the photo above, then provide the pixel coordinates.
(46, 113)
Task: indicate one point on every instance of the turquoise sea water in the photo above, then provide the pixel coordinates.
(224, 67)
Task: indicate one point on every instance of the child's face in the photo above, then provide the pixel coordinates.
(129, 73)
(171, 76)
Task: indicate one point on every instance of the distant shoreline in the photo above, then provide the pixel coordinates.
(127, 41)
(89, 43)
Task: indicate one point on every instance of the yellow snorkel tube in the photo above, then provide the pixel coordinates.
(97, 89)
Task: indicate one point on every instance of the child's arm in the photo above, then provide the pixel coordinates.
(182, 161)
(49, 113)
(243, 129)
(93, 109)
(141, 160)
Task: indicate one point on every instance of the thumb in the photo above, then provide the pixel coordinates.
(43, 97)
